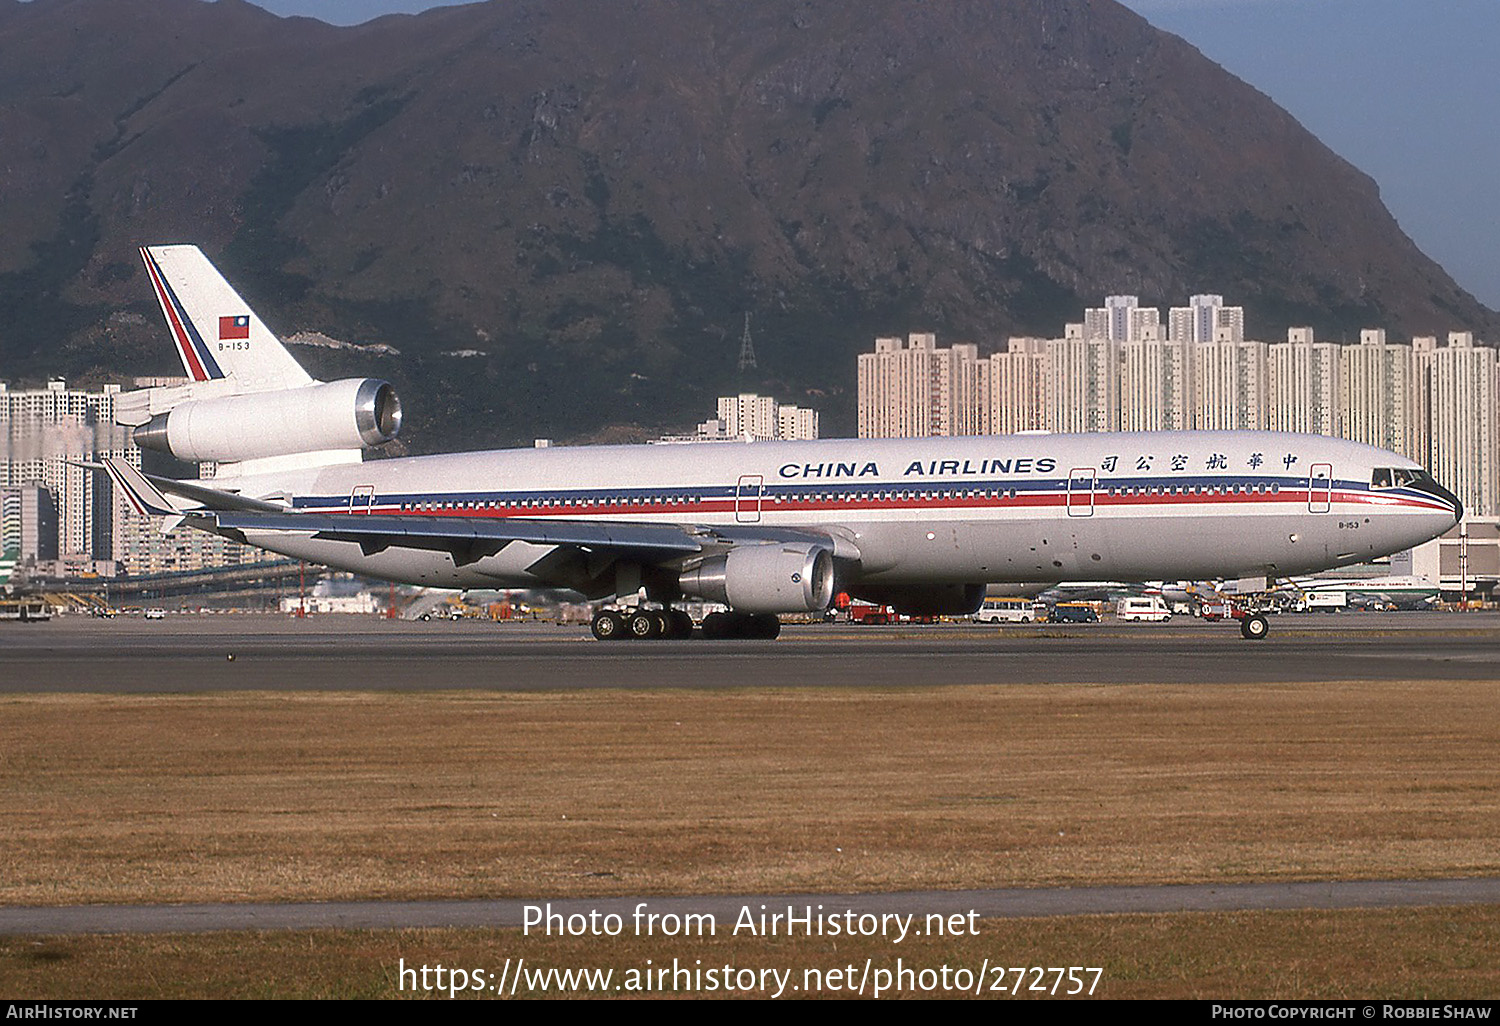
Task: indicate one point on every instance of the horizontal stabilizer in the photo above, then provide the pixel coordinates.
(144, 497)
(212, 498)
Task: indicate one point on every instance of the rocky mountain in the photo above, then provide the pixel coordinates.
(559, 211)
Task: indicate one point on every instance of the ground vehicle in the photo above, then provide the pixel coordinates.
(155, 613)
(1009, 610)
(1326, 601)
(1072, 612)
(1217, 611)
(1149, 608)
(865, 612)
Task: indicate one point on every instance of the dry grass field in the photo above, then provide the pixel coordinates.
(322, 796)
(170, 798)
(1399, 953)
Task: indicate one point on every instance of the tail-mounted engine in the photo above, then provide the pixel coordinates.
(350, 414)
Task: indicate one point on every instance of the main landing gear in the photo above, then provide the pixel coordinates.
(643, 624)
(764, 627)
(649, 624)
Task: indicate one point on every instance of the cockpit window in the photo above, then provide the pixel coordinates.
(1395, 477)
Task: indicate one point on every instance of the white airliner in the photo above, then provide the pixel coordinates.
(1400, 590)
(763, 528)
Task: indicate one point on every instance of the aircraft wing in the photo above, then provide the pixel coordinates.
(470, 538)
(473, 538)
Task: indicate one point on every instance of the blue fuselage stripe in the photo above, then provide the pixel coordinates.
(1145, 491)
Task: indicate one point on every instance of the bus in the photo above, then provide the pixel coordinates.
(1010, 610)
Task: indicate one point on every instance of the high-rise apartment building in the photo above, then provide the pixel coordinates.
(1381, 388)
(1216, 383)
(1464, 428)
(44, 433)
(1202, 320)
(1153, 384)
(913, 389)
(140, 548)
(1018, 387)
(1083, 382)
(796, 423)
(755, 417)
(748, 415)
(1303, 390)
(1437, 405)
(1254, 381)
(28, 523)
(970, 392)
(1121, 319)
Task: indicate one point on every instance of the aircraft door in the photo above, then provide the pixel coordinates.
(747, 498)
(1081, 491)
(1320, 488)
(361, 498)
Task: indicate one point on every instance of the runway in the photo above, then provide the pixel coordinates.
(192, 653)
(1000, 903)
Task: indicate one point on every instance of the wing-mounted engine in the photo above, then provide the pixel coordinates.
(338, 415)
(767, 578)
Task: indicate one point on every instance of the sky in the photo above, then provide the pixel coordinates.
(1405, 90)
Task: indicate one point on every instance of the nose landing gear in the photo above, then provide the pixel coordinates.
(1254, 627)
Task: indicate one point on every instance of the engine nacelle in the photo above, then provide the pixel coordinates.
(770, 578)
(349, 414)
(925, 599)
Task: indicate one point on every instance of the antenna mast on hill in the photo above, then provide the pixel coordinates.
(747, 348)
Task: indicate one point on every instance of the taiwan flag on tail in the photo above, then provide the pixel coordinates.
(231, 328)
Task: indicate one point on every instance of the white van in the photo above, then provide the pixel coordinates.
(1147, 607)
(1327, 601)
(1009, 610)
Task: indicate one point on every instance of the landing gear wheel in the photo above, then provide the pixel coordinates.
(645, 625)
(679, 625)
(1254, 627)
(766, 627)
(716, 626)
(608, 626)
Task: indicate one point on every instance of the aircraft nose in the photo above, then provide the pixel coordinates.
(1433, 488)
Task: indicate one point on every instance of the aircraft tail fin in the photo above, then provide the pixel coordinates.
(215, 332)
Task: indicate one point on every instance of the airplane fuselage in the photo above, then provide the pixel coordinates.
(968, 510)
